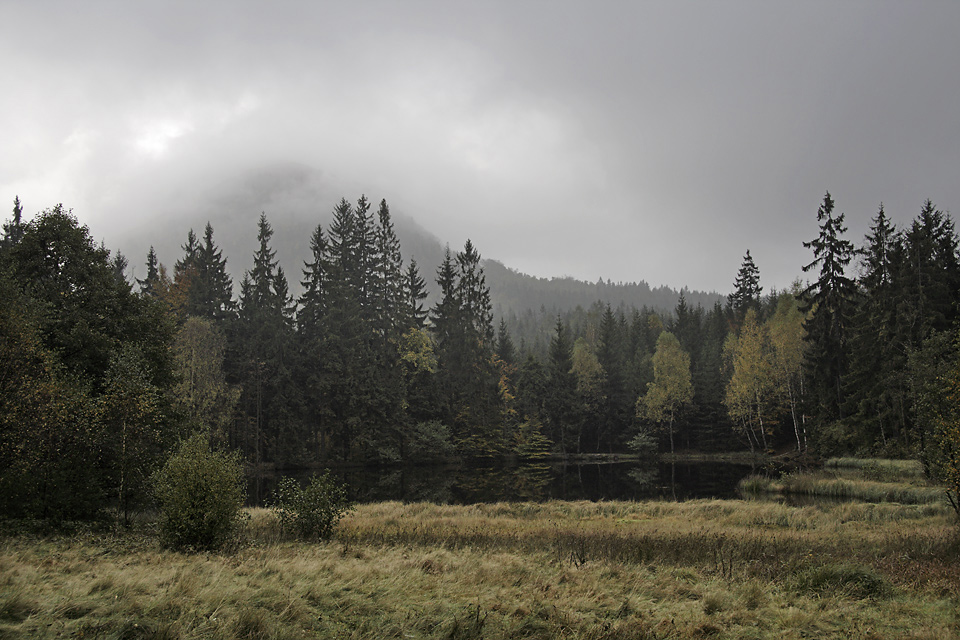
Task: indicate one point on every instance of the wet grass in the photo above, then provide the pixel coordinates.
(877, 468)
(706, 568)
(899, 481)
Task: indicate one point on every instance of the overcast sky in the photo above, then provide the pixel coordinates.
(634, 140)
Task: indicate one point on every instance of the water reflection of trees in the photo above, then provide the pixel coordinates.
(490, 484)
(644, 478)
(530, 481)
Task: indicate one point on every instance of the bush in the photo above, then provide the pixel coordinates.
(200, 493)
(311, 513)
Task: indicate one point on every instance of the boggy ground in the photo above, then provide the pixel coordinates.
(699, 569)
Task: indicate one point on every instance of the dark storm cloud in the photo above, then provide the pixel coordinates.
(654, 141)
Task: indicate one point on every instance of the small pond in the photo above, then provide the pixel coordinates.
(470, 483)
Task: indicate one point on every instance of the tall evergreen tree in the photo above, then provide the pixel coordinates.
(617, 405)
(414, 293)
(746, 289)
(265, 337)
(505, 349)
(13, 230)
(559, 403)
(930, 275)
(463, 330)
(149, 285)
(876, 391)
(388, 277)
(830, 299)
(211, 292)
(312, 305)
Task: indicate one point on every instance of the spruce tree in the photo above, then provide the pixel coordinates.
(265, 342)
(875, 390)
(505, 349)
(13, 230)
(746, 289)
(211, 295)
(149, 285)
(463, 330)
(388, 278)
(559, 402)
(830, 299)
(617, 405)
(414, 292)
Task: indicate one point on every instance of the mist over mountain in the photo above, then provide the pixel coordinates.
(296, 198)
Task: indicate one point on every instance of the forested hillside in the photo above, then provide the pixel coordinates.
(513, 294)
(101, 375)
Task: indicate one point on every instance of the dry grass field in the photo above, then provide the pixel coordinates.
(698, 569)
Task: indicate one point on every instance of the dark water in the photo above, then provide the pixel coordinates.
(478, 483)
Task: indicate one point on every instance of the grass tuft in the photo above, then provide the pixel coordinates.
(16, 606)
(852, 580)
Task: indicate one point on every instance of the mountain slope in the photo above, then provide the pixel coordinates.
(296, 198)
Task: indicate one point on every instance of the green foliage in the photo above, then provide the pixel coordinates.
(671, 387)
(751, 393)
(430, 440)
(830, 301)
(313, 512)
(747, 288)
(200, 493)
(201, 394)
(131, 411)
(644, 443)
(50, 457)
(946, 433)
(530, 441)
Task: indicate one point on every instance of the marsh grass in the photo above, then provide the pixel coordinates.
(878, 468)
(722, 569)
(874, 481)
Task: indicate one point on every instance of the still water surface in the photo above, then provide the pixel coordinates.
(477, 483)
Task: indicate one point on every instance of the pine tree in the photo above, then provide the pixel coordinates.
(312, 305)
(875, 387)
(830, 299)
(13, 230)
(388, 277)
(559, 403)
(617, 406)
(211, 293)
(414, 293)
(362, 278)
(474, 296)
(149, 286)
(463, 331)
(930, 274)
(265, 337)
(505, 349)
(746, 289)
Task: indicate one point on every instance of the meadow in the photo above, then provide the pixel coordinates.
(754, 568)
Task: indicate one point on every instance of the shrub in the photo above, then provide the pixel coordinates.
(200, 493)
(311, 513)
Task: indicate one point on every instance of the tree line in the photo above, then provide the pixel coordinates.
(101, 376)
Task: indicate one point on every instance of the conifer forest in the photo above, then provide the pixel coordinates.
(101, 376)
